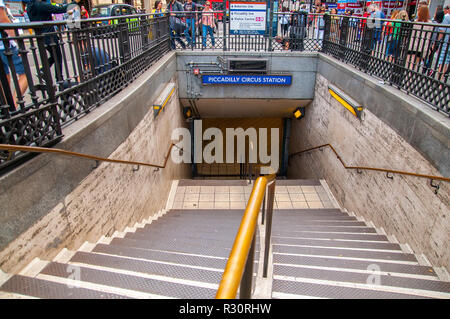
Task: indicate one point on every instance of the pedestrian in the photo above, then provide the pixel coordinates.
(421, 36)
(391, 34)
(16, 59)
(444, 38)
(319, 26)
(376, 24)
(176, 25)
(157, 10)
(39, 10)
(434, 43)
(191, 21)
(208, 24)
(284, 21)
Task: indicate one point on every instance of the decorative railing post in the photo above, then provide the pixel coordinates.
(124, 40)
(224, 23)
(343, 37)
(400, 54)
(326, 33)
(6, 97)
(366, 52)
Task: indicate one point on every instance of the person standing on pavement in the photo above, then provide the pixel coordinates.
(176, 26)
(191, 21)
(16, 60)
(42, 11)
(208, 24)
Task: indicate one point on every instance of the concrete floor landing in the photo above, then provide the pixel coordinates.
(234, 194)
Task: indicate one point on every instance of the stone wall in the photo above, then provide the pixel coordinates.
(85, 204)
(406, 207)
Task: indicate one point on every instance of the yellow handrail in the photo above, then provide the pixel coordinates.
(238, 257)
(385, 170)
(34, 149)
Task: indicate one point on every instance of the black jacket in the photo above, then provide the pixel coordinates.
(42, 11)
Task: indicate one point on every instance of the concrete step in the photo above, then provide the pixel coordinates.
(350, 264)
(310, 212)
(209, 233)
(327, 229)
(336, 243)
(195, 224)
(294, 289)
(156, 288)
(183, 239)
(40, 288)
(362, 278)
(345, 253)
(156, 255)
(282, 222)
(191, 273)
(196, 250)
(330, 236)
(315, 217)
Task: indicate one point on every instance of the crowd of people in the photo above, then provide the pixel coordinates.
(185, 19)
(41, 11)
(425, 41)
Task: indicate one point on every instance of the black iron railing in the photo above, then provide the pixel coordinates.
(69, 71)
(413, 57)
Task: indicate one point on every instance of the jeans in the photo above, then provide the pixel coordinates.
(16, 60)
(207, 29)
(54, 50)
(190, 27)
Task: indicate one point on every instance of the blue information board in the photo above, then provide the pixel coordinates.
(247, 79)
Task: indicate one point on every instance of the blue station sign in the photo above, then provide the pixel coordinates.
(247, 79)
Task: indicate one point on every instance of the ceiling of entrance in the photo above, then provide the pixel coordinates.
(210, 108)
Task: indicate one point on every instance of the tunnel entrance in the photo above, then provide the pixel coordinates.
(263, 146)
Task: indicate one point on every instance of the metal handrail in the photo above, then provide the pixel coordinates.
(385, 170)
(32, 149)
(241, 256)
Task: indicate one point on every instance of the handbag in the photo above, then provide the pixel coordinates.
(177, 25)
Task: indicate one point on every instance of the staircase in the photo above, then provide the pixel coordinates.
(318, 251)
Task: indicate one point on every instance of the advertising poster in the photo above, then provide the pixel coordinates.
(389, 6)
(248, 17)
(341, 6)
(356, 6)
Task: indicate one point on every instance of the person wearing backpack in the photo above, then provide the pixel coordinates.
(42, 11)
(176, 25)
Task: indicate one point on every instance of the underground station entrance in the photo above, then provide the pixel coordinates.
(263, 175)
